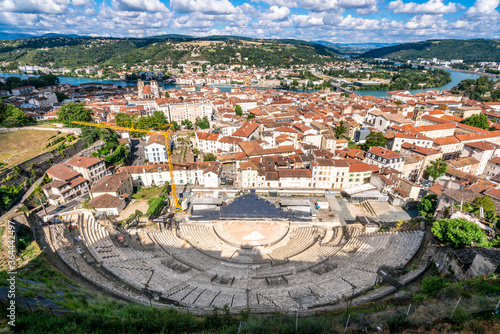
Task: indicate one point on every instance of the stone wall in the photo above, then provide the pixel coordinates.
(448, 263)
(41, 163)
(76, 131)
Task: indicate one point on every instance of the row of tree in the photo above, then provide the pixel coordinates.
(43, 80)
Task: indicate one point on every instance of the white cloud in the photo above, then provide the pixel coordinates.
(430, 7)
(276, 13)
(34, 6)
(425, 22)
(203, 6)
(139, 5)
(484, 9)
(306, 21)
(82, 2)
(365, 6)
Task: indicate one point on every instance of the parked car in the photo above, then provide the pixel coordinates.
(59, 208)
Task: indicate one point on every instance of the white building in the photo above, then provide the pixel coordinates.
(155, 149)
(205, 174)
(383, 157)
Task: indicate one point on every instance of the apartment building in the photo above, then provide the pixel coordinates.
(66, 185)
(155, 149)
(205, 174)
(91, 168)
(385, 158)
(395, 140)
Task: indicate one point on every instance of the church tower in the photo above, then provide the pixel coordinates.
(140, 88)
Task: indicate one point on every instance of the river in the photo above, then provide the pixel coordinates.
(456, 77)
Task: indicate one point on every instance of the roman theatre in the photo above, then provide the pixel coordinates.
(244, 253)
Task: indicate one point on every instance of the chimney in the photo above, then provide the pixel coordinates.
(107, 185)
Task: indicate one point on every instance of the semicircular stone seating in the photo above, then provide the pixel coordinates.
(261, 265)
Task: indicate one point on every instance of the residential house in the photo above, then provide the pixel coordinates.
(155, 149)
(482, 151)
(119, 184)
(205, 174)
(295, 178)
(427, 154)
(383, 157)
(108, 204)
(66, 185)
(92, 168)
(395, 140)
(493, 167)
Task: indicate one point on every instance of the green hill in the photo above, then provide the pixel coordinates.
(73, 52)
(470, 50)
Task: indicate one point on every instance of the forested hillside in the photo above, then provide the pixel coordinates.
(483, 89)
(73, 52)
(470, 50)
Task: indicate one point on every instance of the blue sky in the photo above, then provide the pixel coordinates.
(342, 21)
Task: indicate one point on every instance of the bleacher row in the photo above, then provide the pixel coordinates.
(194, 267)
(60, 242)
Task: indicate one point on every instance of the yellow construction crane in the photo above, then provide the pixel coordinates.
(177, 204)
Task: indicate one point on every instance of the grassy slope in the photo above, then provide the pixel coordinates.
(468, 50)
(18, 146)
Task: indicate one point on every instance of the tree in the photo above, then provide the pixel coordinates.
(490, 212)
(339, 130)
(61, 96)
(202, 123)
(427, 206)
(159, 119)
(10, 116)
(478, 121)
(187, 123)
(374, 139)
(486, 202)
(209, 157)
(436, 168)
(398, 102)
(458, 233)
(175, 126)
(250, 116)
(74, 112)
(167, 94)
(238, 110)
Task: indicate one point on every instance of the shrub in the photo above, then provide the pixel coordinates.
(458, 233)
(432, 284)
(398, 323)
(155, 205)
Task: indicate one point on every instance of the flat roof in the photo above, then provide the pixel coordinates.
(359, 189)
(295, 202)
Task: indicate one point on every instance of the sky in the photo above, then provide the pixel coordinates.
(336, 21)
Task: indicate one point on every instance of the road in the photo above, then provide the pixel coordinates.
(68, 206)
(137, 152)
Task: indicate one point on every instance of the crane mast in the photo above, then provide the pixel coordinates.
(177, 204)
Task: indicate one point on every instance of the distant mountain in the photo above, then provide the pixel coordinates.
(60, 50)
(353, 48)
(470, 50)
(58, 35)
(7, 36)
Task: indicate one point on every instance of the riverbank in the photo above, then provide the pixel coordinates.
(456, 77)
(491, 75)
